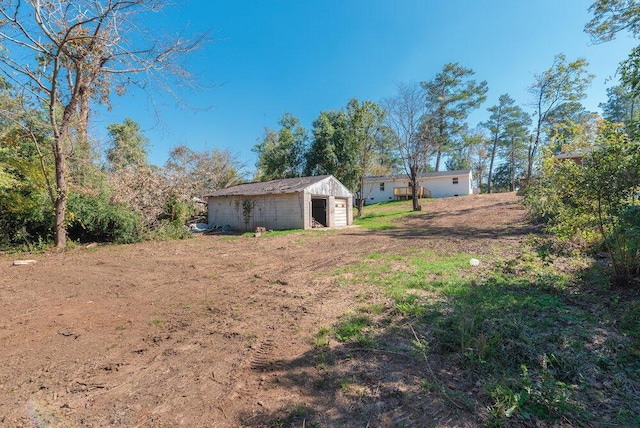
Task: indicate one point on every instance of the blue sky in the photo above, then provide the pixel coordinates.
(304, 56)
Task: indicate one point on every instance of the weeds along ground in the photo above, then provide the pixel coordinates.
(384, 325)
(534, 337)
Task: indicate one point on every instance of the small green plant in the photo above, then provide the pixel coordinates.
(176, 210)
(351, 327)
(167, 231)
(33, 247)
(322, 338)
(297, 413)
(409, 305)
(428, 386)
(345, 385)
(251, 340)
(323, 359)
(320, 384)
(373, 308)
(542, 397)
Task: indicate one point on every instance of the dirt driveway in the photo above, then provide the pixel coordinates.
(215, 330)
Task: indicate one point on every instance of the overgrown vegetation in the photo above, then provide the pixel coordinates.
(536, 336)
(534, 354)
(124, 200)
(55, 185)
(595, 201)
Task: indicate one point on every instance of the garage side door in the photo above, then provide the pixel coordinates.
(340, 212)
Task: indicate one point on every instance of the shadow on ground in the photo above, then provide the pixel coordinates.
(516, 353)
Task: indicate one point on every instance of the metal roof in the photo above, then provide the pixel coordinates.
(286, 185)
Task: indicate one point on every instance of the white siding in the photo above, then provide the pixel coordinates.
(373, 194)
(444, 187)
(441, 185)
(340, 212)
(329, 186)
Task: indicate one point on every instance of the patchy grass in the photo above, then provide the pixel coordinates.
(533, 343)
(352, 327)
(383, 216)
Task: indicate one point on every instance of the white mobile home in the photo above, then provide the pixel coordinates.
(292, 203)
(441, 184)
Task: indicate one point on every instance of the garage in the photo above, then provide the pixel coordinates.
(291, 203)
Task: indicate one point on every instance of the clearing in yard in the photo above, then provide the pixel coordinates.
(387, 324)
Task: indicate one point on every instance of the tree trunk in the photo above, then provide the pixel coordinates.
(60, 145)
(512, 166)
(360, 200)
(60, 229)
(533, 147)
(438, 156)
(493, 155)
(414, 190)
(83, 148)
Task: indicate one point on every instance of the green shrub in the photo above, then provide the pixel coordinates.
(596, 203)
(94, 218)
(168, 230)
(532, 397)
(177, 211)
(26, 212)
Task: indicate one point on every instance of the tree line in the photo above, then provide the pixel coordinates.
(58, 60)
(424, 127)
(592, 198)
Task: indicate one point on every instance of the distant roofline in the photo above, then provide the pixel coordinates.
(272, 187)
(420, 175)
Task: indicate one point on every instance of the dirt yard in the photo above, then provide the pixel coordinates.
(217, 331)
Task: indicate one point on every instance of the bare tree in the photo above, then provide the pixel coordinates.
(66, 55)
(406, 119)
(194, 174)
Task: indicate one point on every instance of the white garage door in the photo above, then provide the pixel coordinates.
(340, 212)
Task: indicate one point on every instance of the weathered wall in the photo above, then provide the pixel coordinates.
(278, 211)
(329, 186)
(329, 189)
(244, 213)
(331, 203)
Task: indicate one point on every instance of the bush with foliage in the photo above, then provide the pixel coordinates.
(597, 201)
(26, 211)
(168, 230)
(92, 217)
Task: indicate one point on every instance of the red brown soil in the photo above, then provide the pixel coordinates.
(219, 331)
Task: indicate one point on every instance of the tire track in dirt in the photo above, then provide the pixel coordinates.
(203, 331)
